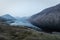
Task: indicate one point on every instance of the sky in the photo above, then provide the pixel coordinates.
(26, 8)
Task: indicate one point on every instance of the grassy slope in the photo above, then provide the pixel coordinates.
(21, 33)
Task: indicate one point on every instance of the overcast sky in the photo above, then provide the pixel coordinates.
(24, 7)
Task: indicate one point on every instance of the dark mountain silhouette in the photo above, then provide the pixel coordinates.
(7, 19)
(48, 19)
(2, 19)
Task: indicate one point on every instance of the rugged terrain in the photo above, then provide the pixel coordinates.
(48, 19)
(8, 32)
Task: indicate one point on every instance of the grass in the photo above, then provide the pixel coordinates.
(8, 32)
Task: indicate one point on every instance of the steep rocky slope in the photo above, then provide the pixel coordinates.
(48, 19)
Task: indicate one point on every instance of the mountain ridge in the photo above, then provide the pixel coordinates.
(48, 19)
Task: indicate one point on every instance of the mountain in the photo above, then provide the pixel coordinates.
(21, 21)
(17, 21)
(48, 19)
(3, 21)
(8, 18)
(24, 22)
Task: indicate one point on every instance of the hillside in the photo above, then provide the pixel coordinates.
(8, 32)
(48, 19)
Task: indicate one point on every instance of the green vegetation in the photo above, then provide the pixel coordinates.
(8, 32)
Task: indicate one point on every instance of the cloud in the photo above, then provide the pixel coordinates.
(25, 7)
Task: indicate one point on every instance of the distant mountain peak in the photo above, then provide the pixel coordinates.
(8, 16)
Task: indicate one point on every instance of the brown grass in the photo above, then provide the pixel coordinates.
(8, 32)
